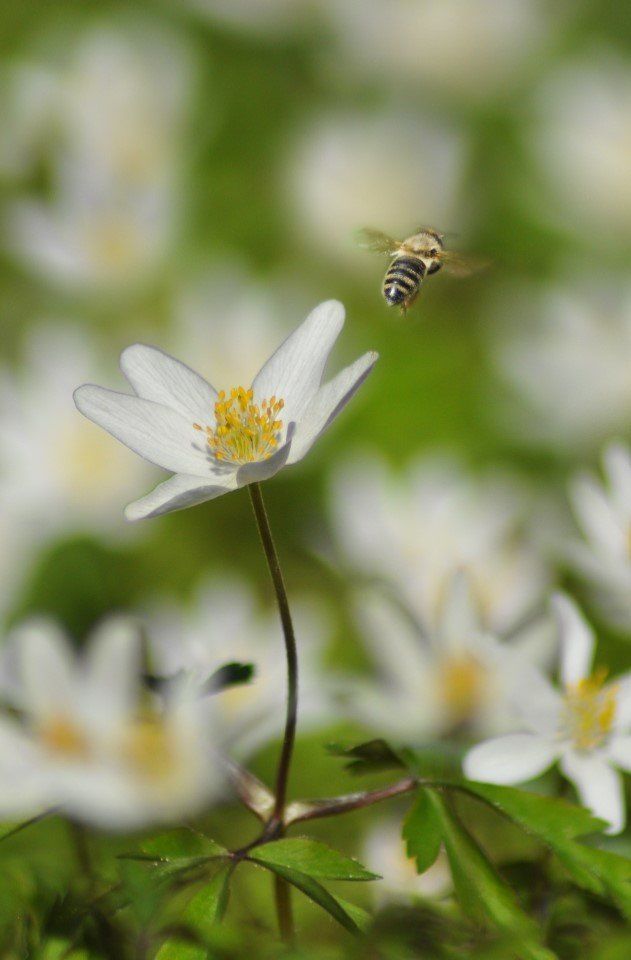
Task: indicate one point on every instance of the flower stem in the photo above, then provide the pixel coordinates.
(283, 902)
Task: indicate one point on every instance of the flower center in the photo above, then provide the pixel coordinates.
(148, 749)
(61, 736)
(590, 710)
(462, 684)
(244, 432)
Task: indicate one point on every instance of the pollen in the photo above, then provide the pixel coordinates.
(462, 684)
(244, 431)
(61, 736)
(149, 751)
(590, 711)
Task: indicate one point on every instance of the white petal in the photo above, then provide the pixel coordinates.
(294, 372)
(576, 640)
(156, 376)
(599, 786)
(328, 402)
(459, 619)
(617, 462)
(159, 434)
(515, 758)
(622, 685)
(619, 752)
(396, 645)
(596, 516)
(264, 469)
(178, 492)
(112, 672)
(47, 668)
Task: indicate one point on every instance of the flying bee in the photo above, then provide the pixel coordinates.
(412, 260)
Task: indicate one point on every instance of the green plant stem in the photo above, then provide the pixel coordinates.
(275, 824)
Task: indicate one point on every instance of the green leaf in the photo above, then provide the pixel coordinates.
(313, 858)
(205, 908)
(599, 871)
(482, 893)
(316, 892)
(422, 831)
(367, 757)
(180, 843)
(549, 818)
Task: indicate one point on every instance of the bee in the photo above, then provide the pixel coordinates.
(413, 259)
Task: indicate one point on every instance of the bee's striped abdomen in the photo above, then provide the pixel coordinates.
(402, 280)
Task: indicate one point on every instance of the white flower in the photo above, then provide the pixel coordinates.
(455, 678)
(566, 353)
(416, 531)
(586, 726)
(58, 474)
(225, 624)
(604, 516)
(472, 49)
(343, 174)
(583, 146)
(215, 443)
(112, 133)
(265, 17)
(84, 742)
(384, 852)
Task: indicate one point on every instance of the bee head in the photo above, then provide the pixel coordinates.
(427, 243)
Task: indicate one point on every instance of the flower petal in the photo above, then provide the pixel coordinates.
(617, 462)
(294, 372)
(599, 786)
(622, 685)
(328, 402)
(110, 689)
(176, 493)
(515, 758)
(576, 641)
(619, 752)
(264, 469)
(596, 517)
(156, 376)
(159, 434)
(47, 668)
(459, 617)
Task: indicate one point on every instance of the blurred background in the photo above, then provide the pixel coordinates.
(192, 175)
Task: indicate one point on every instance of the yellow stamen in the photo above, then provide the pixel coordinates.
(462, 686)
(149, 749)
(590, 710)
(244, 431)
(62, 736)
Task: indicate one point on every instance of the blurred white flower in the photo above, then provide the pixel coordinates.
(384, 170)
(266, 17)
(454, 678)
(566, 354)
(257, 315)
(417, 530)
(472, 49)
(583, 143)
(384, 852)
(225, 624)
(85, 742)
(586, 726)
(603, 514)
(214, 443)
(57, 474)
(112, 133)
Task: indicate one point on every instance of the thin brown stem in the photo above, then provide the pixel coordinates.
(274, 826)
(302, 810)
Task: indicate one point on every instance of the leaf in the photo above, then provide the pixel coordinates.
(600, 871)
(316, 892)
(205, 908)
(549, 818)
(313, 858)
(422, 831)
(181, 842)
(230, 675)
(367, 757)
(482, 893)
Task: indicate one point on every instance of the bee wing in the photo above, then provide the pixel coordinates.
(460, 265)
(377, 241)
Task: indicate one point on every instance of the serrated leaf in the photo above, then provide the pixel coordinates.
(201, 912)
(315, 891)
(181, 842)
(422, 831)
(549, 818)
(600, 871)
(367, 757)
(313, 858)
(482, 893)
